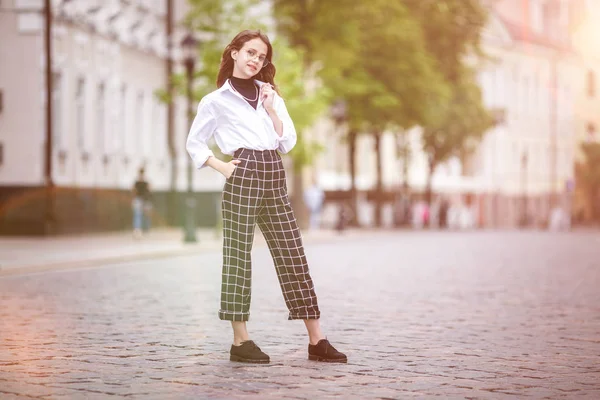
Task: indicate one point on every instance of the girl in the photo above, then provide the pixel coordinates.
(251, 123)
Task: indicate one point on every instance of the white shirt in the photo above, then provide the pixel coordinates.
(236, 124)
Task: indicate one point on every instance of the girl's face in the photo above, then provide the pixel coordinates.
(248, 61)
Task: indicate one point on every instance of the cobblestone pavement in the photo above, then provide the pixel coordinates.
(420, 314)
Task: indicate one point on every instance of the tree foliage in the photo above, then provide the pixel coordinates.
(304, 104)
(375, 60)
(452, 31)
(461, 122)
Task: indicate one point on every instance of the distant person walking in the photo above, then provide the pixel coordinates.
(314, 197)
(141, 205)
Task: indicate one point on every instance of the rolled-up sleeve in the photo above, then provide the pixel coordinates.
(201, 131)
(288, 139)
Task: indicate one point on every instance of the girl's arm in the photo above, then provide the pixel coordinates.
(283, 124)
(201, 131)
(226, 168)
(277, 124)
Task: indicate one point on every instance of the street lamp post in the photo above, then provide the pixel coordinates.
(172, 216)
(49, 217)
(189, 46)
(524, 160)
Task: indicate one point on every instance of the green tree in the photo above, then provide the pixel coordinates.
(452, 31)
(461, 124)
(374, 61)
(403, 74)
(314, 27)
(304, 106)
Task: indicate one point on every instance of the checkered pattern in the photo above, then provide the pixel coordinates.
(256, 193)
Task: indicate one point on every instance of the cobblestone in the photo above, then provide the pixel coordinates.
(449, 314)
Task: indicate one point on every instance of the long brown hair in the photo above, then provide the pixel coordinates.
(266, 74)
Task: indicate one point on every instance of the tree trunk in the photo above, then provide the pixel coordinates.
(429, 190)
(297, 198)
(401, 198)
(352, 158)
(401, 154)
(379, 183)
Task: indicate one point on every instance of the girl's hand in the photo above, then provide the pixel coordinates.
(267, 94)
(229, 167)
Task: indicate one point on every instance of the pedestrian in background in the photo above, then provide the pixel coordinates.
(141, 205)
(250, 122)
(313, 198)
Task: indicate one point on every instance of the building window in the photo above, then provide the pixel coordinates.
(122, 142)
(57, 124)
(80, 113)
(101, 118)
(550, 19)
(514, 94)
(591, 84)
(535, 94)
(536, 15)
(140, 138)
(158, 127)
(525, 96)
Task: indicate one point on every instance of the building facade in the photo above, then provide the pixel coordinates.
(587, 41)
(108, 60)
(527, 160)
(525, 164)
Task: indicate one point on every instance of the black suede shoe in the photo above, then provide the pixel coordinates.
(248, 352)
(324, 351)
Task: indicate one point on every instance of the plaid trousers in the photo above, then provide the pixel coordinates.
(256, 193)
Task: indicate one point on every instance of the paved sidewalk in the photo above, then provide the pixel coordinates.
(22, 255)
(450, 315)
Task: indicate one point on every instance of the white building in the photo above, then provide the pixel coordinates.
(108, 59)
(527, 162)
(587, 41)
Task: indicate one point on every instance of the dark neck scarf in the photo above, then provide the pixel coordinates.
(247, 88)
